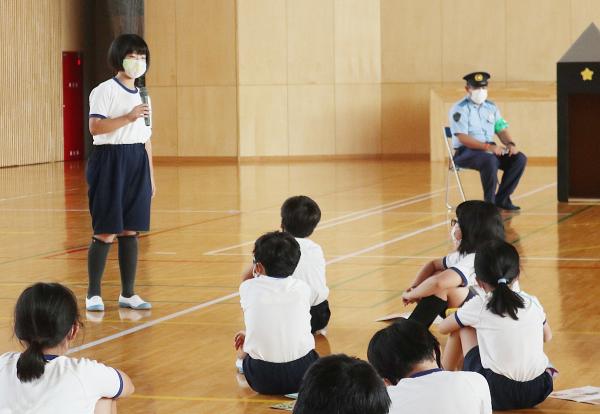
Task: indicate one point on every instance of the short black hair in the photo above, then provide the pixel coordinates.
(124, 45)
(278, 252)
(479, 222)
(339, 384)
(395, 351)
(44, 315)
(300, 215)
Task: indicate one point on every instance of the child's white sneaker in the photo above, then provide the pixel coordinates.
(134, 302)
(239, 364)
(94, 304)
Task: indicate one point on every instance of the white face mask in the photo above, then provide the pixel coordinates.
(134, 68)
(479, 95)
(453, 232)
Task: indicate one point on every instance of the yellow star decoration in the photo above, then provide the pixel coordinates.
(587, 74)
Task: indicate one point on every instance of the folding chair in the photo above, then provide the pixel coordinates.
(451, 167)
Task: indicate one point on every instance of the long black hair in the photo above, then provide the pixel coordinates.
(395, 351)
(497, 264)
(479, 222)
(45, 313)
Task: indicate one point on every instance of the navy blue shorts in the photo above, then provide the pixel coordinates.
(277, 378)
(319, 316)
(119, 188)
(508, 394)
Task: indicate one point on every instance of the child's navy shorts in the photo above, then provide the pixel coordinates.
(120, 190)
(508, 394)
(277, 378)
(319, 316)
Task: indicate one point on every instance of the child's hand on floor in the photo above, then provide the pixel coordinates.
(238, 340)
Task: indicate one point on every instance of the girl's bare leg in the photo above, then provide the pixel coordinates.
(106, 406)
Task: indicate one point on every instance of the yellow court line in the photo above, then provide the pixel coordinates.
(215, 399)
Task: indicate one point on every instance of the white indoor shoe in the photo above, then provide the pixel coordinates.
(134, 302)
(94, 304)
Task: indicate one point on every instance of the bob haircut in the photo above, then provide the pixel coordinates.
(124, 45)
(479, 222)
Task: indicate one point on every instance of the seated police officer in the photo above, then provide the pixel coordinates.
(474, 121)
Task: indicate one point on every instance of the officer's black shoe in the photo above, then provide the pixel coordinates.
(508, 207)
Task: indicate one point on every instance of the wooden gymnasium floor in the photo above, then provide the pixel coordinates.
(381, 221)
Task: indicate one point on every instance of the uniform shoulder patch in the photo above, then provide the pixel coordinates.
(456, 116)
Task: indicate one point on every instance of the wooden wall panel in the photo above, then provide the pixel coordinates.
(262, 38)
(263, 119)
(357, 41)
(538, 34)
(311, 117)
(206, 42)
(404, 118)
(72, 24)
(474, 38)
(411, 40)
(164, 121)
(31, 84)
(161, 34)
(583, 12)
(358, 119)
(533, 126)
(310, 41)
(206, 119)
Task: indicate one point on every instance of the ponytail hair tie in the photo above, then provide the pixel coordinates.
(503, 281)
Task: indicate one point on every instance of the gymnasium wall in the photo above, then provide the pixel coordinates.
(33, 33)
(259, 78)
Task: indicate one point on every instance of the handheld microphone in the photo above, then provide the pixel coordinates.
(144, 96)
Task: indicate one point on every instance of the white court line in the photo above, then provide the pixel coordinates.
(60, 210)
(537, 190)
(348, 217)
(235, 294)
(151, 323)
(38, 194)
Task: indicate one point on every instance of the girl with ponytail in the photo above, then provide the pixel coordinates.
(42, 379)
(503, 332)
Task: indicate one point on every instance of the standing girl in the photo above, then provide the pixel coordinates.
(119, 173)
(42, 379)
(503, 332)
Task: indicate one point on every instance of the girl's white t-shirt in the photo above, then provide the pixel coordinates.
(112, 99)
(68, 386)
(513, 348)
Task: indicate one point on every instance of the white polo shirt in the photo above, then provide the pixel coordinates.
(112, 99)
(68, 386)
(311, 269)
(513, 348)
(438, 391)
(464, 265)
(277, 318)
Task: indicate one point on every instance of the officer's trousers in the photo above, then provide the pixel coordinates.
(488, 164)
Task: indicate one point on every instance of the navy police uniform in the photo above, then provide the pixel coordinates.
(481, 123)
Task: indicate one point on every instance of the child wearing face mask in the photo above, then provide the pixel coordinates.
(277, 346)
(119, 172)
(43, 379)
(450, 281)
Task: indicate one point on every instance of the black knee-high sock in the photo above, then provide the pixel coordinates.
(97, 254)
(428, 309)
(128, 255)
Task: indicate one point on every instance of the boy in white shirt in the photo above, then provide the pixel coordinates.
(407, 356)
(277, 346)
(299, 217)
